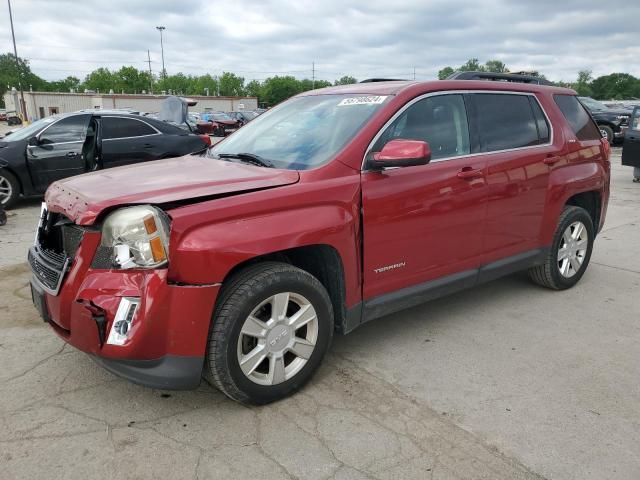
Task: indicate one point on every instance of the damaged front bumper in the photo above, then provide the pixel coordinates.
(136, 323)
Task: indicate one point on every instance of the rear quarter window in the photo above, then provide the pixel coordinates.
(577, 117)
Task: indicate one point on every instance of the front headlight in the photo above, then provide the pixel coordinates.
(139, 237)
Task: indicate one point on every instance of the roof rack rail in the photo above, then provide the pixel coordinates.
(499, 77)
(371, 80)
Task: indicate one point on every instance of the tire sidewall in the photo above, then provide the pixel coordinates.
(577, 214)
(609, 131)
(281, 282)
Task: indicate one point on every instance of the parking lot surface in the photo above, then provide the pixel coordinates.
(505, 381)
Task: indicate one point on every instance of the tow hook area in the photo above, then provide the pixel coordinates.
(99, 316)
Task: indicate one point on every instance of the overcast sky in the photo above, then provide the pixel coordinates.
(258, 39)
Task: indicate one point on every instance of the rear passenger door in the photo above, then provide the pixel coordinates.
(514, 135)
(128, 140)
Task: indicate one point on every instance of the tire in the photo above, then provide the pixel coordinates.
(9, 189)
(559, 274)
(607, 132)
(281, 372)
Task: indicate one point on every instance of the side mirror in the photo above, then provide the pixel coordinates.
(401, 153)
(34, 142)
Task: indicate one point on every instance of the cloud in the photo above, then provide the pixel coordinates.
(376, 38)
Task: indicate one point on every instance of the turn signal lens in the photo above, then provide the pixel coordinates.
(157, 249)
(150, 224)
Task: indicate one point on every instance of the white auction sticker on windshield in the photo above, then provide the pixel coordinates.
(370, 100)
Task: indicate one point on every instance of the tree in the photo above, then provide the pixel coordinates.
(307, 84)
(231, 85)
(100, 80)
(582, 85)
(177, 84)
(131, 80)
(276, 89)
(495, 66)
(472, 65)
(616, 86)
(445, 73)
(203, 85)
(66, 85)
(13, 75)
(346, 80)
(253, 89)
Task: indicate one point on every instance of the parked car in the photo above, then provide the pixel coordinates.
(13, 119)
(631, 145)
(612, 121)
(242, 263)
(223, 124)
(65, 145)
(243, 116)
(3, 115)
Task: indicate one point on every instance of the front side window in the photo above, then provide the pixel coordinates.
(69, 129)
(579, 120)
(441, 121)
(303, 132)
(505, 121)
(117, 127)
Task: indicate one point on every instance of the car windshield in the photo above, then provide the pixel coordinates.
(592, 104)
(249, 115)
(304, 132)
(30, 130)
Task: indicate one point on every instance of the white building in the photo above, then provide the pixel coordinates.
(44, 104)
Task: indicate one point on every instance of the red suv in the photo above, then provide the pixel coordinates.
(336, 207)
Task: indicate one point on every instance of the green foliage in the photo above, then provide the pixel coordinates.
(445, 73)
(346, 80)
(100, 80)
(495, 66)
(13, 75)
(276, 89)
(231, 85)
(616, 86)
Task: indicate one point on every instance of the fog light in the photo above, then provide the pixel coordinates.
(121, 326)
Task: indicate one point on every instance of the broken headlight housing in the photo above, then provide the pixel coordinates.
(138, 236)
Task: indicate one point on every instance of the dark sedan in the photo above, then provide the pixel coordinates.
(65, 145)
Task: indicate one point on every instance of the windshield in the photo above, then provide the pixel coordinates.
(592, 104)
(30, 130)
(304, 132)
(221, 117)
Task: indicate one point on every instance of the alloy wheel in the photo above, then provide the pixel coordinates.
(6, 190)
(277, 338)
(573, 249)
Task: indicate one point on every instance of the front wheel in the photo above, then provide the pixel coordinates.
(607, 133)
(570, 251)
(9, 189)
(271, 329)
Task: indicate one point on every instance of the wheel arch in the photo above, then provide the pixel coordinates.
(323, 261)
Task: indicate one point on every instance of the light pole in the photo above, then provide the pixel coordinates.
(23, 106)
(160, 29)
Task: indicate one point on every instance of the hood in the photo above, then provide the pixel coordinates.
(191, 177)
(612, 112)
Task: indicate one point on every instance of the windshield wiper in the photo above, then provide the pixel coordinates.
(249, 158)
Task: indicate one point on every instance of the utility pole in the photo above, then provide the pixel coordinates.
(414, 73)
(160, 29)
(23, 105)
(150, 74)
(313, 75)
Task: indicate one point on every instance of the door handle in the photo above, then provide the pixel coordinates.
(147, 145)
(551, 160)
(72, 154)
(468, 173)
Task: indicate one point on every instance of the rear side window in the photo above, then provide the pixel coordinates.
(580, 121)
(541, 121)
(505, 121)
(116, 127)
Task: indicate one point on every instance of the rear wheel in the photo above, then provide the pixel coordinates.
(9, 189)
(570, 252)
(271, 329)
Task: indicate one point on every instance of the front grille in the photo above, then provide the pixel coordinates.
(57, 241)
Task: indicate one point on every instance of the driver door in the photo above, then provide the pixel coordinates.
(56, 152)
(631, 145)
(423, 225)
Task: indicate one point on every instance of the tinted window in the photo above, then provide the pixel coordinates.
(69, 129)
(578, 118)
(541, 121)
(505, 121)
(117, 127)
(441, 121)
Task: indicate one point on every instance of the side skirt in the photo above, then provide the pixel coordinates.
(393, 302)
